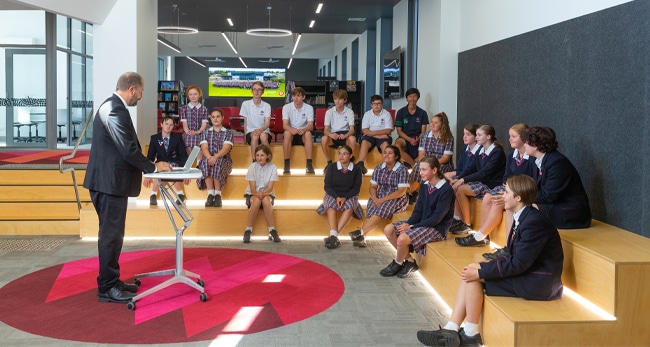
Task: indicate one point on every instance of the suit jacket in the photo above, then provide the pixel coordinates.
(535, 258)
(116, 161)
(561, 192)
(175, 153)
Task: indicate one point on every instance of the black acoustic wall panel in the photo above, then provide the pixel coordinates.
(587, 78)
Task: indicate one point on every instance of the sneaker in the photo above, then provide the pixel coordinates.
(413, 198)
(332, 242)
(357, 234)
(498, 253)
(273, 236)
(465, 340)
(408, 268)
(181, 198)
(459, 227)
(360, 242)
(310, 169)
(247, 236)
(287, 169)
(392, 269)
(152, 200)
(210, 201)
(217, 200)
(440, 337)
(363, 168)
(469, 241)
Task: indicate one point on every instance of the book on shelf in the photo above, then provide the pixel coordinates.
(168, 96)
(160, 96)
(162, 106)
(351, 86)
(333, 85)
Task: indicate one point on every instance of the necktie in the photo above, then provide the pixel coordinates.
(483, 156)
(431, 189)
(469, 154)
(166, 142)
(344, 170)
(519, 161)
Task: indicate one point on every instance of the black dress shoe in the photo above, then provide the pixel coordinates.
(209, 201)
(465, 340)
(408, 268)
(333, 242)
(356, 234)
(115, 294)
(440, 337)
(392, 269)
(458, 227)
(127, 287)
(498, 253)
(468, 241)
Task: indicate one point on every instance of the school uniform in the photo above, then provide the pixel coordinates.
(533, 267)
(411, 125)
(175, 153)
(261, 175)
(375, 122)
(432, 146)
(216, 140)
(465, 157)
(431, 216)
(339, 122)
(516, 166)
(562, 197)
(255, 114)
(387, 182)
(486, 170)
(342, 182)
(194, 116)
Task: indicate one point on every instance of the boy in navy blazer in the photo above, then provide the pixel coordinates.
(531, 270)
(169, 147)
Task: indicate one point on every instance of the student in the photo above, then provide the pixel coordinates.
(298, 122)
(410, 124)
(532, 270)
(169, 147)
(377, 124)
(387, 193)
(194, 118)
(562, 197)
(438, 142)
(483, 173)
(261, 177)
(469, 149)
(429, 221)
(342, 186)
(339, 126)
(216, 164)
(257, 118)
(492, 205)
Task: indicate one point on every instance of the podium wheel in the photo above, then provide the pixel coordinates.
(203, 297)
(138, 282)
(200, 282)
(131, 306)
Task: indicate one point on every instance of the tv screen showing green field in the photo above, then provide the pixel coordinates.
(237, 82)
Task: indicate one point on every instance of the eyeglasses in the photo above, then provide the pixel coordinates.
(376, 103)
(258, 89)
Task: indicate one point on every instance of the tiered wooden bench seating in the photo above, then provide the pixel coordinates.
(604, 265)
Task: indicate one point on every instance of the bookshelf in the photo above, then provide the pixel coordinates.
(171, 97)
(319, 93)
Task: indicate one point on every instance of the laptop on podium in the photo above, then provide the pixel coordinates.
(188, 164)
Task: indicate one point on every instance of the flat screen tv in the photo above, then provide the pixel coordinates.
(237, 82)
(167, 86)
(393, 74)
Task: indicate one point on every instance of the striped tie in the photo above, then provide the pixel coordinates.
(166, 142)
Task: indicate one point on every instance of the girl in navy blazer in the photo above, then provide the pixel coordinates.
(470, 149)
(484, 172)
(531, 270)
(429, 221)
(562, 197)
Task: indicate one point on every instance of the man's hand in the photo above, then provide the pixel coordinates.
(163, 166)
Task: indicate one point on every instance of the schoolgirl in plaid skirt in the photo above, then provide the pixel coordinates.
(342, 186)
(387, 193)
(216, 163)
(429, 221)
(194, 117)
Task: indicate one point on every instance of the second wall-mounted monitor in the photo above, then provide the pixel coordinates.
(394, 74)
(237, 82)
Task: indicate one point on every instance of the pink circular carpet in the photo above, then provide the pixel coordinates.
(248, 292)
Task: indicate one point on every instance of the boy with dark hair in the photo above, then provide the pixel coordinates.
(376, 126)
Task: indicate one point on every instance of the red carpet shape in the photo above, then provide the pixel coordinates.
(248, 291)
(43, 157)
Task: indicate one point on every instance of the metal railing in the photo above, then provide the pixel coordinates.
(71, 155)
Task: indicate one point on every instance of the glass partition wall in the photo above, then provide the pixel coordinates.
(26, 121)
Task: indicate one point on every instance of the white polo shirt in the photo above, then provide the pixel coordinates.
(339, 121)
(377, 122)
(298, 118)
(255, 115)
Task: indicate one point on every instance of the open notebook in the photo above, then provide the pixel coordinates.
(188, 164)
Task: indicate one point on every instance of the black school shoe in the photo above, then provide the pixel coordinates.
(498, 253)
(363, 168)
(440, 337)
(247, 236)
(465, 340)
(408, 267)
(332, 242)
(273, 236)
(470, 241)
(152, 200)
(458, 227)
(413, 198)
(217, 201)
(209, 201)
(392, 269)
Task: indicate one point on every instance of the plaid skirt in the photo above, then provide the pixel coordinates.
(219, 171)
(351, 203)
(387, 209)
(478, 188)
(192, 140)
(420, 236)
(500, 189)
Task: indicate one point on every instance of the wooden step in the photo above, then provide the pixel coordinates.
(43, 193)
(39, 177)
(40, 227)
(43, 211)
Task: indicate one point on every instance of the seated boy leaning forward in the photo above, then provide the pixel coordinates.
(298, 122)
(376, 126)
(339, 126)
(532, 269)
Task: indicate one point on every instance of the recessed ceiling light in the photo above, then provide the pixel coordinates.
(320, 7)
(229, 21)
(311, 25)
(356, 19)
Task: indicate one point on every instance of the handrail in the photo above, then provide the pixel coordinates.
(71, 155)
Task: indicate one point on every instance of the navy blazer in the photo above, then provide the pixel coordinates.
(561, 193)
(488, 170)
(175, 153)
(534, 261)
(435, 210)
(116, 162)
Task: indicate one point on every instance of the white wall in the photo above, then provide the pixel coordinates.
(400, 38)
(91, 11)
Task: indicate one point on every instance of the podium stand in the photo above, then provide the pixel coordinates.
(170, 198)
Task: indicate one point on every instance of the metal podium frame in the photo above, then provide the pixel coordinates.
(169, 198)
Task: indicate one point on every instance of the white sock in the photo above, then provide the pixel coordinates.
(153, 193)
(217, 192)
(456, 217)
(478, 236)
(334, 233)
(471, 329)
(399, 262)
(210, 191)
(271, 228)
(179, 192)
(249, 228)
(451, 326)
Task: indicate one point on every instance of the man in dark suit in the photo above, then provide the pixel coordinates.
(114, 173)
(170, 147)
(532, 269)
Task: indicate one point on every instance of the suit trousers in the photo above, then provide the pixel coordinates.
(111, 211)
